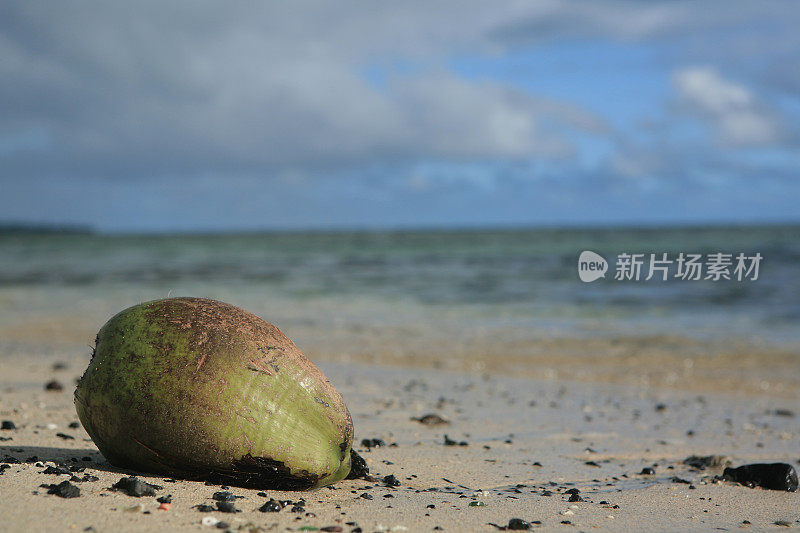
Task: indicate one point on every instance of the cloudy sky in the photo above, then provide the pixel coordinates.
(153, 116)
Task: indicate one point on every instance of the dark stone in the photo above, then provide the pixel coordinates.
(8, 424)
(372, 443)
(572, 491)
(135, 487)
(56, 470)
(648, 471)
(223, 496)
(518, 524)
(205, 508)
(271, 506)
(74, 425)
(358, 466)
(227, 507)
(575, 498)
(366, 495)
(431, 419)
(164, 499)
(331, 528)
(391, 481)
(676, 479)
(65, 436)
(773, 476)
(298, 509)
(701, 462)
(54, 386)
(65, 489)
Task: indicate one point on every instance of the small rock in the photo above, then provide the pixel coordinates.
(135, 487)
(227, 507)
(7, 425)
(53, 386)
(648, 471)
(271, 506)
(518, 524)
(358, 466)
(391, 481)
(372, 443)
(701, 462)
(773, 476)
(431, 420)
(223, 496)
(65, 489)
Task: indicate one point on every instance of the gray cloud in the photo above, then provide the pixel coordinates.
(146, 88)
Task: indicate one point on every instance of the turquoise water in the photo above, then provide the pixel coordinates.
(508, 278)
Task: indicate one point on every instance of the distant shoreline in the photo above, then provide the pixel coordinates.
(78, 229)
(45, 229)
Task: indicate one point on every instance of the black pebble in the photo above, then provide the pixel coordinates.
(372, 443)
(391, 481)
(431, 420)
(74, 425)
(65, 436)
(56, 470)
(575, 498)
(271, 506)
(773, 476)
(223, 525)
(518, 524)
(205, 508)
(223, 496)
(135, 487)
(366, 496)
(65, 489)
(358, 466)
(164, 499)
(54, 386)
(227, 507)
(572, 491)
(298, 509)
(648, 471)
(676, 479)
(7, 424)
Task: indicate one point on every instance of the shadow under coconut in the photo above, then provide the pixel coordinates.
(89, 458)
(250, 472)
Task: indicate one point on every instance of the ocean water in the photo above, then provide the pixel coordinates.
(523, 280)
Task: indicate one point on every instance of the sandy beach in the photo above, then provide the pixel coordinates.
(521, 444)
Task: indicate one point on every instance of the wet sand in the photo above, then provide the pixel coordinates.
(528, 441)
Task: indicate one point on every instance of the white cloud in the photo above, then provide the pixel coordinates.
(737, 116)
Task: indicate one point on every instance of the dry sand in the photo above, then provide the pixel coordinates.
(529, 440)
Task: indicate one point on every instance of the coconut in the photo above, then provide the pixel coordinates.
(200, 389)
